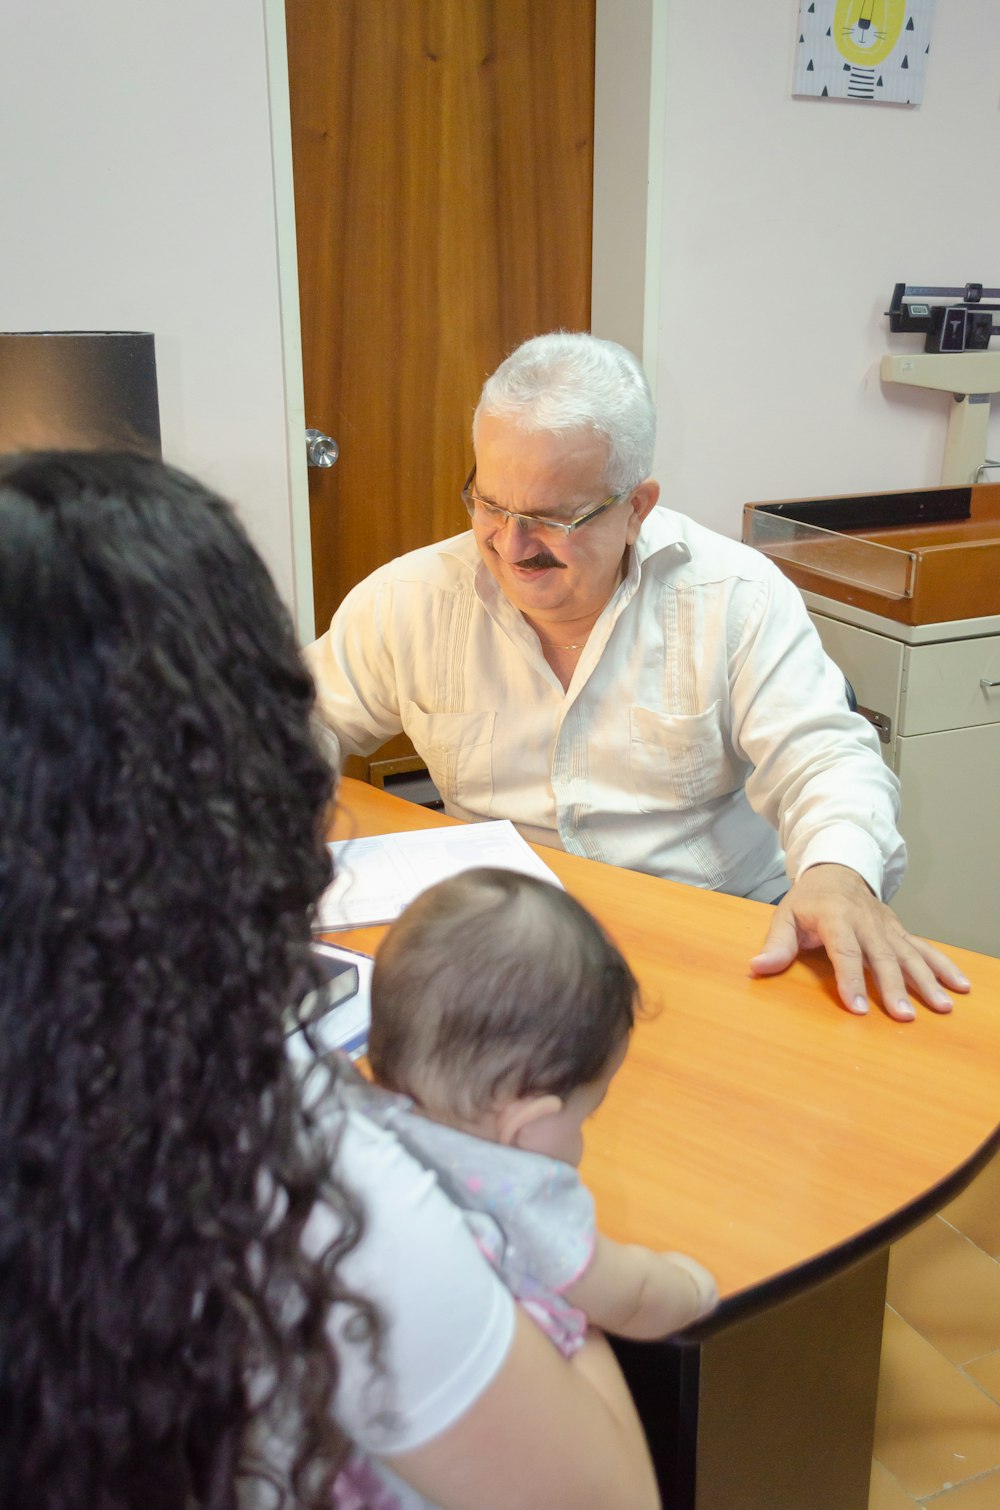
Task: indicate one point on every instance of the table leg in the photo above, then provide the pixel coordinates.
(776, 1412)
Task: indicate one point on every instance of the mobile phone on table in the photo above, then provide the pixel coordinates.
(337, 1011)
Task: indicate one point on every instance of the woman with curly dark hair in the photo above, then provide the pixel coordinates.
(212, 1279)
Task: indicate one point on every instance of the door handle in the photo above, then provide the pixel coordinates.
(321, 450)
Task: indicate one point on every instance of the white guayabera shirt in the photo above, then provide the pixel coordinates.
(705, 735)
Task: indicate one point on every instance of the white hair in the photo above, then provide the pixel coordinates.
(570, 380)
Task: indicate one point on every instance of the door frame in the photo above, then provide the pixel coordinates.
(279, 109)
(629, 106)
(629, 130)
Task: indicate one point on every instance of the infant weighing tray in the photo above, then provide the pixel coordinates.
(920, 557)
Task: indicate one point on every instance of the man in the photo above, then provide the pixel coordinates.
(627, 685)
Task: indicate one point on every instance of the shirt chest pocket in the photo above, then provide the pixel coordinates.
(457, 749)
(680, 760)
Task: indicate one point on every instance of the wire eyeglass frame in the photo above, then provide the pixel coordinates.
(493, 512)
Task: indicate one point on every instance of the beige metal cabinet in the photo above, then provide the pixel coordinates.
(933, 690)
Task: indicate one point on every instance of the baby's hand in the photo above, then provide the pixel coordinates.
(705, 1296)
(634, 1292)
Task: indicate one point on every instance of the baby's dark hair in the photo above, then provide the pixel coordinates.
(493, 986)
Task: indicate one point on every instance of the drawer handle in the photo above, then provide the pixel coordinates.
(986, 684)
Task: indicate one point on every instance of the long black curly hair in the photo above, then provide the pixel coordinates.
(161, 807)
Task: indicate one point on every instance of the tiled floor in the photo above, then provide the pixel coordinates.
(937, 1434)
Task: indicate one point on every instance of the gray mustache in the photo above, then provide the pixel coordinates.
(537, 560)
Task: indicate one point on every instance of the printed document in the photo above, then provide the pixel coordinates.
(377, 877)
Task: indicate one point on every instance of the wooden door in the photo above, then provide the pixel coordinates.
(443, 162)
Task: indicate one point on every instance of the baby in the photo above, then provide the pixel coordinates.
(500, 1014)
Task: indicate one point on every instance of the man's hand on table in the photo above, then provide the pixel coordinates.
(830, 906)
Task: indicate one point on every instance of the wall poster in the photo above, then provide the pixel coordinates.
(874, 50)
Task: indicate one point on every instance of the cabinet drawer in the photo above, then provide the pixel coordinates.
(950, 819)
(942, 685)
(872, 664)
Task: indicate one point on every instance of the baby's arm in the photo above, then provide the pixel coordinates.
(637, 1293)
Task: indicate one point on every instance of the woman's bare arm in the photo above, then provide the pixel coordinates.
(546, 1434)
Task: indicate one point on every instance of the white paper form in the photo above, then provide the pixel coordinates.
(376, 878)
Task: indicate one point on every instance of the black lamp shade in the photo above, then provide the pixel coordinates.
(78, 390)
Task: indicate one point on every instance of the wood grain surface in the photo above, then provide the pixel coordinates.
(755, 1123)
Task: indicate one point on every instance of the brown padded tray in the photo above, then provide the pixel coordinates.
(942, 563)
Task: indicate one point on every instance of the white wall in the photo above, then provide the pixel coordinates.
(137, 193)
(786, 223)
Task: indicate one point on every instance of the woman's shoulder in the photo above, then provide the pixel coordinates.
(447, 1319)
(369, 1158)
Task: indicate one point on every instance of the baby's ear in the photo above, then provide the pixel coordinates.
(518, 1121)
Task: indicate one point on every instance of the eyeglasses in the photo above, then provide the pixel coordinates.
(492, 513)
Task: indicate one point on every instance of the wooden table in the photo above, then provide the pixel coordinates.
(785, 1143)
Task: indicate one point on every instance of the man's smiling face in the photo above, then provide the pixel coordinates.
(550, 577)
